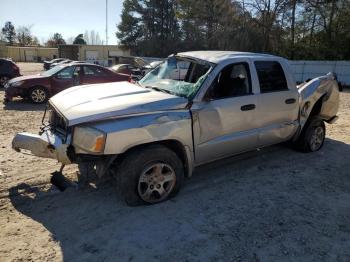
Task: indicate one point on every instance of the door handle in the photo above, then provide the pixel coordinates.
(248, 107)
(290, 101)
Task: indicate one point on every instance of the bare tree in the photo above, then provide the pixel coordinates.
(24, 35)
(92, 37)
(70, 40)
(266, 14)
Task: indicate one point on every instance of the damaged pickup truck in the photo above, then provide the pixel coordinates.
(151, 134)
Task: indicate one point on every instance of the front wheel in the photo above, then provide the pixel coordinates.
(312, 137)
(38, 95)
(150, 175)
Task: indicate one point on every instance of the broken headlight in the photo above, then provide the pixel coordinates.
(89, 139)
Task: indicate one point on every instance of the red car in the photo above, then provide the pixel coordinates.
(38, 88)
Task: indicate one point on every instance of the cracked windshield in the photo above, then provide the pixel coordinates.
(177, 76)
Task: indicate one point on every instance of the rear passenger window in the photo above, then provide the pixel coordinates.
(271, 76)
(93, 71)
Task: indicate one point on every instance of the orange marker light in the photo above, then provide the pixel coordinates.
(100, 142)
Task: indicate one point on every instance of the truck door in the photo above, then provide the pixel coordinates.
(226, 117)
(278, 103)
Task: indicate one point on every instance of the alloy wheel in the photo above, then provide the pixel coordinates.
(317, 138)
(38, 95)
(156, 182)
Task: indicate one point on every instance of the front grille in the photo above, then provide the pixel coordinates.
(57, 122)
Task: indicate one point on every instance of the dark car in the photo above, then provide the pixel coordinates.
(47, 64)
(38, 88)
(8, 70)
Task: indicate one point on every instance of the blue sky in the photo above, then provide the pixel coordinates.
(68, 17)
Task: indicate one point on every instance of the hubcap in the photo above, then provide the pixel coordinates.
(38, 95)
(317, 138)
(156, 182)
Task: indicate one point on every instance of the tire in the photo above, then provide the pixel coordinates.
(38, 95)
(312, 137)
(86, 174)
(3, 80)
(149, 175)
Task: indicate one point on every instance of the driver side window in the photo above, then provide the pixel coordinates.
(234, 80)
(66, 73)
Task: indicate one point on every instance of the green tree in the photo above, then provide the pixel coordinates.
(130, 31)
(298, 29)
(210, 24)
(149, 27)
(9, 32)
(79, 40)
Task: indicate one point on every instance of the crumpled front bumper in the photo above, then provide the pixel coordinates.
(47, 145)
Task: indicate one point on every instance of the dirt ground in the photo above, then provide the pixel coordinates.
(272, 205)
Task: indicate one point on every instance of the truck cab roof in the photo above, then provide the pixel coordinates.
(217, 57)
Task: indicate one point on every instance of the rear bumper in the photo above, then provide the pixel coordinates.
(47, 145)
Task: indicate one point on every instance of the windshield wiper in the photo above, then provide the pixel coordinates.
(160, 89)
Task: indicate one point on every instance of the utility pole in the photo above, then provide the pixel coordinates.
(106, 22)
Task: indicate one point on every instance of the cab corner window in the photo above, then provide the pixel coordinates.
(234, 80)
(271, 76)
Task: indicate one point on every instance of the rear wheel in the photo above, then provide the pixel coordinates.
(313, 136)
(38, 95)
(150, 175)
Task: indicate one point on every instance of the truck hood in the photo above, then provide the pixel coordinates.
(96, 102)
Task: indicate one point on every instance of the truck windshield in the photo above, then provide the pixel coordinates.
(177, 76)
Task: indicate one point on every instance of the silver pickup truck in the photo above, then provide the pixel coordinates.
(151, 134)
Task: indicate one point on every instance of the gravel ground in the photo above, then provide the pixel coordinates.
(271, 205)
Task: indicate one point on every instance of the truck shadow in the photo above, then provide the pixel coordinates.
(346, 89)
(235, 208)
